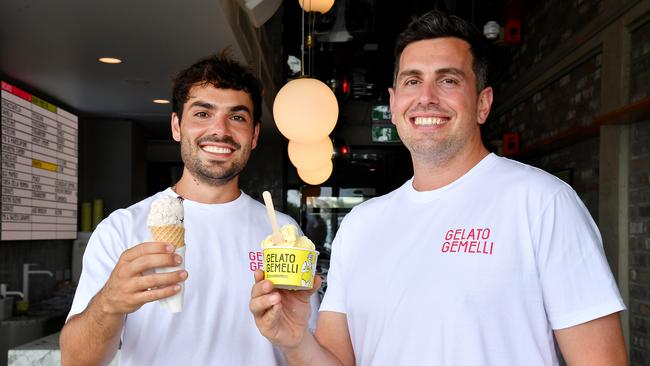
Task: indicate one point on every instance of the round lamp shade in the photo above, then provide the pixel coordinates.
(318, 176)
(311, 155)
(305, 110)
(321, 6)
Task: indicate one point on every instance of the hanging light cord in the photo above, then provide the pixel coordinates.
(308, 42)
(312, 40)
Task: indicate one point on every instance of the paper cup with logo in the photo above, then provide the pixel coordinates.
(290, 268)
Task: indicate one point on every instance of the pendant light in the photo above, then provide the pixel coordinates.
(305, 111)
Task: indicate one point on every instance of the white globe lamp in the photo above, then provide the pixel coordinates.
(318, 176)
(305, 110)
(321, 6)
(310, 156)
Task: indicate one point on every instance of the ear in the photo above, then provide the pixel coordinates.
(256, 134)
(176, 127)
(391, 98)
(484, 104)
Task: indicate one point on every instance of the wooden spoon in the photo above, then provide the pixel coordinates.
(268, 201)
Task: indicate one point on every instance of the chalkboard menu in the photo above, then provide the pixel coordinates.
(39, 168)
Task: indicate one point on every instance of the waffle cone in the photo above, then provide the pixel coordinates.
(173, 234)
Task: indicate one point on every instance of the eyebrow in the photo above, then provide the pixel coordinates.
(452, 71)
(407, 73)
(240, 108)
(202, 104)
(443, 71)
(211, 106)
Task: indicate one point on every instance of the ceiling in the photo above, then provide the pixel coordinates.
(50, 48)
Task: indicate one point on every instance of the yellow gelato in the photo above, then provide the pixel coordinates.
(292, 238)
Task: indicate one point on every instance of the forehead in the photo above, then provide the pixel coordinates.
(219, 97)
(437, 53)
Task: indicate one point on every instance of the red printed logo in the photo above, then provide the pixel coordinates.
(256, 260)
(470, 241)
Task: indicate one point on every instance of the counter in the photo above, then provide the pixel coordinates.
(41, 352)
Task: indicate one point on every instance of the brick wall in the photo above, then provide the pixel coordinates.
(547, 25)
(568, 102)
(639, 196)
(571, 100)
(640, 63)
(582, 162)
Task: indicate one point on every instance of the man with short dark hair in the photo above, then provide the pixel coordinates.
(482, 260)
(216, 119)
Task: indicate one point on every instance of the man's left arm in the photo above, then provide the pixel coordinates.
(594, 343)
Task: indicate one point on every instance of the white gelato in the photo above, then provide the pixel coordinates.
(164, 211)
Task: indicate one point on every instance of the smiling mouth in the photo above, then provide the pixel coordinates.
(217, 149)
(429, 121)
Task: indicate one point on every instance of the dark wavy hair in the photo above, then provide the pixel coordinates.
(436, 24)
(222, 72)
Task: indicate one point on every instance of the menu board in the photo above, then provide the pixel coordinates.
(39, 168)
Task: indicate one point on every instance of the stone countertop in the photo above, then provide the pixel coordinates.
(41, 352)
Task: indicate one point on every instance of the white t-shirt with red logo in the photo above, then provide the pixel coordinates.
(478, 272)
(222, 251)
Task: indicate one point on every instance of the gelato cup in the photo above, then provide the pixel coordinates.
(290, 268)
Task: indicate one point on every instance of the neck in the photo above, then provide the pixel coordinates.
(196, 190)
(428, 176)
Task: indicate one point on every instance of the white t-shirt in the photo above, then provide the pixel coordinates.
(478, 272)
(222, 251)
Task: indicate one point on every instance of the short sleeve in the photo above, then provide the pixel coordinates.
(577, 282)
(102, 253)
(334, 299)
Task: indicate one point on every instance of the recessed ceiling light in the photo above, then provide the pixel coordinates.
(109, 60)
(161, 101)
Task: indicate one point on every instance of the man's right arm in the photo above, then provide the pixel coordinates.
(282, 317)
(92, 337)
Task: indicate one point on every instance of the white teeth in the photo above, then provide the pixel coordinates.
(428, 121)
(217, 150)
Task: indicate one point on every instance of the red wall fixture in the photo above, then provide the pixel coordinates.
(510, 143)
(512, 31)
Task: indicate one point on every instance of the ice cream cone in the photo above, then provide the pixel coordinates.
(165, 222)
(173, 234)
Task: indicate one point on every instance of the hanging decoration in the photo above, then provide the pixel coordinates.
(317, 176)
(311, 156)
(321, 6)
(305, 110)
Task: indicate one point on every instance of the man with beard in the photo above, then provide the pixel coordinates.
(216, 119)
(487, 260)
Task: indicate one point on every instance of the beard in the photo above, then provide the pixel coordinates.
(435, 152)
(433, 148)
(214, 172)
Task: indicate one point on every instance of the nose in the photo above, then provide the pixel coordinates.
(428, 94)
(219, 125)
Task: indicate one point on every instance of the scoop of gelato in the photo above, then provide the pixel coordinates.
(164, 211)
(292, 238)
